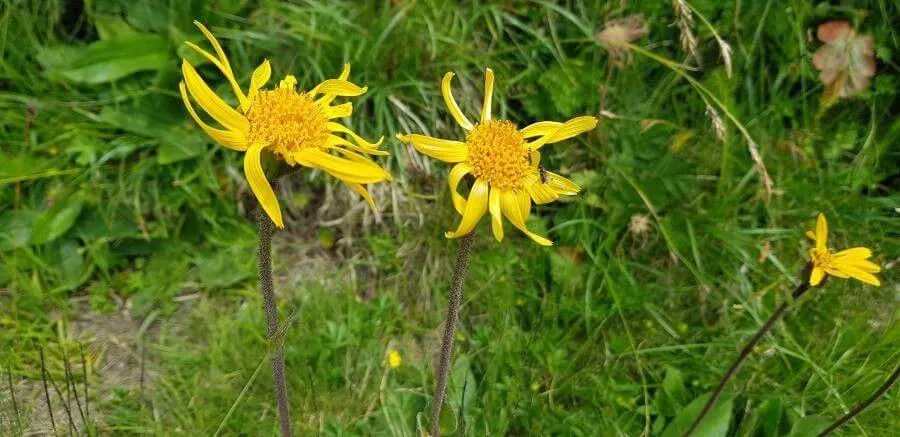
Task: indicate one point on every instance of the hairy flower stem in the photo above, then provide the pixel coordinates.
(864, 404)
(456, 289)
(748, 348)
(266, 286)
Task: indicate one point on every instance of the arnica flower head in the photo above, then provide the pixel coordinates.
(394, 359)
(850, 263)
(505, 162)
(295, 126)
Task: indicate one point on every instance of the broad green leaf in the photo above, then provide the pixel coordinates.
(673, 385)
(770, 413)
(715, 424)
(105, 61)
(809, 426)
(16, 228)
(54, 222)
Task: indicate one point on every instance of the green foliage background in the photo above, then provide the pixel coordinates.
(114, 206)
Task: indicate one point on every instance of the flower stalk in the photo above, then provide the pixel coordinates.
(748, 348)
(864, 404)
(266, 287)
(450, 324)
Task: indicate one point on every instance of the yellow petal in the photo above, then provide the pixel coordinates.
(488, 93)
(540, 192)
(259, 78)
(832, 271)
(210, 102)
(561, 185)
(551, 132)
(854, 253)
(496, 215)
(860, 264)
(339, 111)
(230, 139)
(338, 87)
(509, 203)
(362, 191)
(337, 127)
(475, 208)
(811, 235)
(456, 174)
(345, 73)
(816, 276)
(260, 186)
(223, 65)
(821, 233)
(524, 203)
(860, 274)
(336, 142)
(328, 98)
(451, 103)
(289, 82)
(360, 170)
(445, 150)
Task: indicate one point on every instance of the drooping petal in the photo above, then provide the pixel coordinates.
(328, 98)
(551, 132)
(339, 111)
(222, 63)
(853, 254)
(337, 127)
(456, 174)
(335, 141)
(445, 150)
(488, 94)
(821, 233)
(859, 274)
(210, 102)
(475, 209)
(561, 185)
(260, 185)
(361, 171)
(451, 103)
(338, 87)
(496, 215)
(362, 191)
(540, 192)
(816, 276)
(231, 139)
(861, 264)
(524, 203)
(259, 78)
(509, 203)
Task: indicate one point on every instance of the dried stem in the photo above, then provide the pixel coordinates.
(450, 323)
(266, 287)
(748, 348)
(864, 404)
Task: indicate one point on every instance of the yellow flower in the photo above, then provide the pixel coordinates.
(394, 359)
(850, 263)
(296, 127)
(505, 162)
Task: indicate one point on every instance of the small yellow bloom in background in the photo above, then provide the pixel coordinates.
(505, 162)
(394, 359)
(296, 127)
(850, 263)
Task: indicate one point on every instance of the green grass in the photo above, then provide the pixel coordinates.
(123, 229)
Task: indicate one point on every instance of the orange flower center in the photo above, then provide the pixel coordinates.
(498, 154)
(286, 121)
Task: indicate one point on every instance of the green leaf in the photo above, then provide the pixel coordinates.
(809, 426)
(770, 413)
(105, 61)
(673, 385)
(54, 222)
(715, 424)
(16, 229)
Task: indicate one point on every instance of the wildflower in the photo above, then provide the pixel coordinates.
(505, 162)
(850, 263)
(394, 359)
(618, 34)
(845, 62)
(296, 127)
